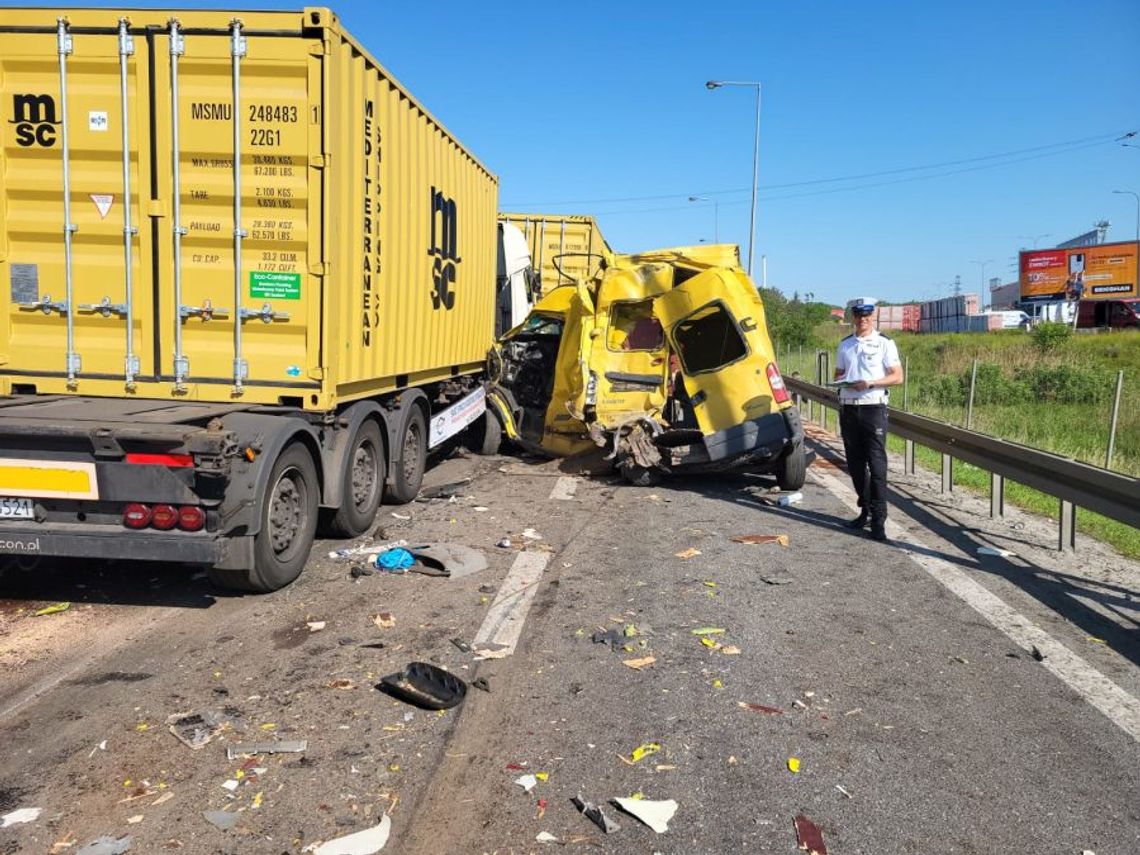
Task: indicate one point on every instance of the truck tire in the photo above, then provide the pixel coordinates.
(362, 484)
(485, 435)
(288, 524)
(409, 458)
(792, 471)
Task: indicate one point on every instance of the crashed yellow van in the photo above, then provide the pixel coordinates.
(663, 359)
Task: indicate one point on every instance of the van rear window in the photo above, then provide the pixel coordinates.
(709, 339)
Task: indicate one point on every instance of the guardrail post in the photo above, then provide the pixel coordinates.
(1113, 420)
(947, 473)
(908, 456)
(997, 495)
(1068, 539)
(906, 384)
(970, 404)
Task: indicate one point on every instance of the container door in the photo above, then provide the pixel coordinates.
(715, 323)
(244, 281)
(75, 245)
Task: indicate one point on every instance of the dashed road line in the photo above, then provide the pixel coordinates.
(564, 488)
(499, 634)
(1121, 708)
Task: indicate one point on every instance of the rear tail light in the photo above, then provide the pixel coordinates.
(136, 515)
(176, 461)
(191, 518)
(779, 390)
(164, 517)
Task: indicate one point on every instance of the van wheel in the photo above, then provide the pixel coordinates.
(362, 484)
(288, 525)
(485, 435)
(409, 458)
(792, 472)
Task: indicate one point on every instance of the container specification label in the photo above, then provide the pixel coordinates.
(265, 285)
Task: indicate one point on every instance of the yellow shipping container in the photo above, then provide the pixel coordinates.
(563, 247)
(218, 207)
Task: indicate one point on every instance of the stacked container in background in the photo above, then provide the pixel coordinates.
(898, 318)
(950, 314)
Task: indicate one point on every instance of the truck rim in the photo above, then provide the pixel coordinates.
(363, 475)
(411, 455)
(287, 512)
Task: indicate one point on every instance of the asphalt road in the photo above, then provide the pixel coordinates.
(902, 678)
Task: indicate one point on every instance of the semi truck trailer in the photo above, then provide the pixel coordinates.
(247, 281)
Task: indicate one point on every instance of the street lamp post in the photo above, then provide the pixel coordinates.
(983, 264)
(716, 84)
(1136, 196)
(716, 214)
(1035, 238)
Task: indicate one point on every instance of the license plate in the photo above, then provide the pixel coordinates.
(16, 509)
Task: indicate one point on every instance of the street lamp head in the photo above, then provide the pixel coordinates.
(712, 84)
(697, 199)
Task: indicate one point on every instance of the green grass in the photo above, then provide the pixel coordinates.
(1058, 401)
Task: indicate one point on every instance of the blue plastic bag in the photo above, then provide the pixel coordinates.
(395, 560)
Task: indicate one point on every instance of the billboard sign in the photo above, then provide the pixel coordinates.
(1102, 272)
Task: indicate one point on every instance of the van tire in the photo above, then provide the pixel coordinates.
(288, 509)
(485, 435)
(362, 484)
(792, 471)
(409, 458)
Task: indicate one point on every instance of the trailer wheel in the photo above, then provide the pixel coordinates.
(288, 525)
(792, 472)
(485, 435)
(409, 458)
(362, 484)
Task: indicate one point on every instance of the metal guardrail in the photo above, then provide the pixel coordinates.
(1075, 484)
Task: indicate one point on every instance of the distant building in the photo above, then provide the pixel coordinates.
(1005, 297)
(837, 314)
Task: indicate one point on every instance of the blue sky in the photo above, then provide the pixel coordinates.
(576, 105)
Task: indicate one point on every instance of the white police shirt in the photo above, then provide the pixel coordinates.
(866, 358)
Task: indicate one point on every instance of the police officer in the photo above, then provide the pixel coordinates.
(865, 365)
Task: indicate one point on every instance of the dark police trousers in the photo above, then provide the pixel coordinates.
(864, 429)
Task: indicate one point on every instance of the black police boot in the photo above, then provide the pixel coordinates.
(859, 521)
(878, 521)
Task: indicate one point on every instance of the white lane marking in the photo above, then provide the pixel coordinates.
(499, 634)
(1118, 705)
(564, 488)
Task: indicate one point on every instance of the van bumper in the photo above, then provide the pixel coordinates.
(769, 437)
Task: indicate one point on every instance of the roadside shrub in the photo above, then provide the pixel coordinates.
(1050, 335)
(1067, 384)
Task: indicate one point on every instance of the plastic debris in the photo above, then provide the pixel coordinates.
(367, 549)
(761, 539)
(531, 534)
(546, 837)
(794, 765)
(504, 543)
(396, 560)
(1001, 553)
(365, 842)
(163, 799)
(283, 746)
(760, 708)
(708, 642)
(655, 814)
(1095, 640)
(426, 686)
(316, 625)
(730, 650)
(638, 664)
(19, 817)
(135, 820)
(107, 845)
(195, 730)
(527, 782)
(708, 630)
(53, 609)
(686, 554)
(808, 836)
(596, 815)
(231, 785)
(790, 499)
(840, 788)
(384, 620)
(642, 751)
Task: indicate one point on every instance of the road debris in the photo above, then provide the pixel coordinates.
(223, 820)
(808, 836)
(426, 686)
(195, 730)
(107, 845)
(461, 645)
(281, 746)
(615, 638)
(397, 560)
(775, 579)
(646, 749)
(340, 683)
(135, 820)
(686, 554)
(19, 817)
(53, 609)
(531, 534)
(596, 815)
(546, 837)
(359, 570)
(452, 560)
(789, 499)
(527, 782)
(655, 814)
(504, 543)
(760, 708)
(1000, 553)
(443, 491)
(638, 664)
(232, 784)
(1037, 654)
(840, 788)
(794, 765)
(316, 625)
(367, 549)
(365, 842)
(730, 650)
(708, 630)
(761, 539)
(482, 685)
(384, 620)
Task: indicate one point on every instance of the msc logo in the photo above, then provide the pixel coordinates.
(443, 248)
(35, 120)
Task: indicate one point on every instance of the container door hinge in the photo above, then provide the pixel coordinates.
(320, 161)
(319, 268)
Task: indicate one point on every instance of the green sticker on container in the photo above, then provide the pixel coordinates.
(265, 285)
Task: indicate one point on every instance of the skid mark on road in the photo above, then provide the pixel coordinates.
(564, 488)
(1099, 691)
(499, 634)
